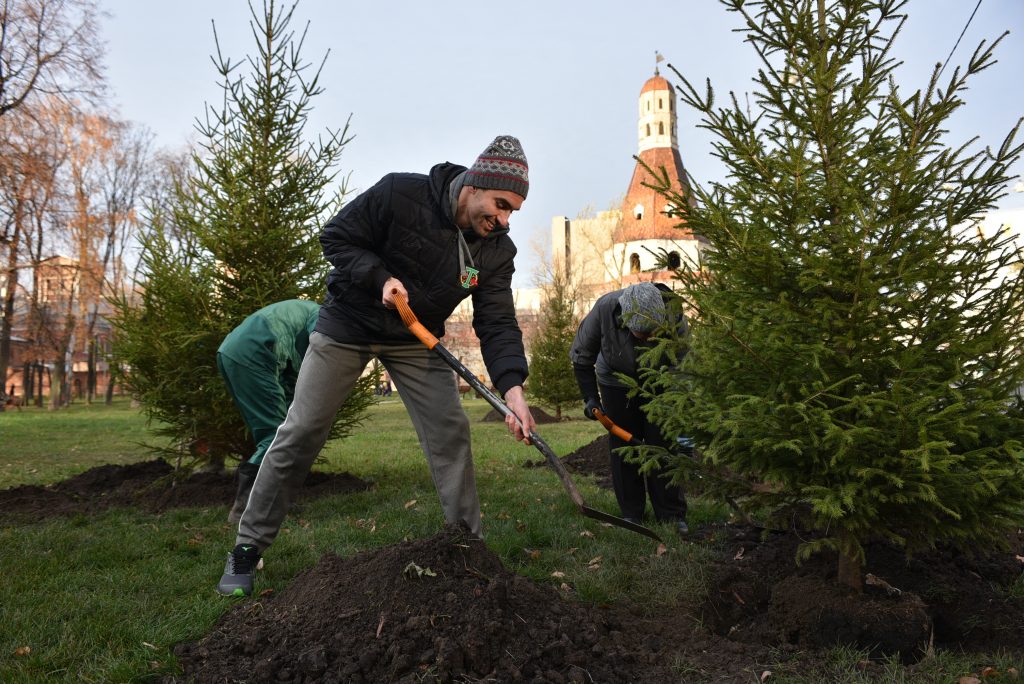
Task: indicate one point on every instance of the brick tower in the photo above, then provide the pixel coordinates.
(647, 225)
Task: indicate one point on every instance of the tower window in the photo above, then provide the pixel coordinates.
(634, 263)
(638, 211)
(660, 104)
(661, 128)
(648, 129)
(673, 260)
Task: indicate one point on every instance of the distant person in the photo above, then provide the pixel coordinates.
(608, 341)
(259, 361)
(436, 239)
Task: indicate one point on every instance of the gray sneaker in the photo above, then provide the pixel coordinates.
(238, 571)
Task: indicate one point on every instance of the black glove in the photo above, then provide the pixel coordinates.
(592, 403)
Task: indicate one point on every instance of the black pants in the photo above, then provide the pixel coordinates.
(632, 487)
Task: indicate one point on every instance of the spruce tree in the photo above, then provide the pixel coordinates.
(552, 383)
(239, 231)
(856, 339)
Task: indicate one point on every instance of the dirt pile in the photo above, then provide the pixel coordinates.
(437, 609)
(945, 598)
(151, 486)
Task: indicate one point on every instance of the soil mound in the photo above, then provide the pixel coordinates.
(947, 598)
(151, 486)
(589, 459)
(539, 416)
(437, 609)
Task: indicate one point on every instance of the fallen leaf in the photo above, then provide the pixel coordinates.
(410, 504)
(565, 587)
(586, 533)
(148, 645)
(558, 573)
(22, 651)
(987, 672)
(380, 625)
(412, 570)
(534, 554)
(968, 679)
(595, 566)
(594, 560)
(661, 550)
(1012, 673)
(1020, 559)
(739, 554)
(266, 592)
(765, 675)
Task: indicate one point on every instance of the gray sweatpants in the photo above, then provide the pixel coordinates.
(329, 371)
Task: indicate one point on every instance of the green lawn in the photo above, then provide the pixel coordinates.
(105, 598)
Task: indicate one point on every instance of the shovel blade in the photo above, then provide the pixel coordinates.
(619, 522)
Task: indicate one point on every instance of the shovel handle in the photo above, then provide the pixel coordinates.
(613, 428)
(410, 320)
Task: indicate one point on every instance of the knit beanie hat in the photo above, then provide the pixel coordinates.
(502, 166)
(643, 308)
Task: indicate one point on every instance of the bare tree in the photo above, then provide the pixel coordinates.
(32, 156)
(49, 48)
(106, 170)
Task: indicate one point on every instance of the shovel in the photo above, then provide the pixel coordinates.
(424, 336)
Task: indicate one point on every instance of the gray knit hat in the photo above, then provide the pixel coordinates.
(502, 166)
(643, 308)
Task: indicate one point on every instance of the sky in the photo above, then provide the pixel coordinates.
(426, 82)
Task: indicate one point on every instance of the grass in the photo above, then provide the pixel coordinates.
(105, 598)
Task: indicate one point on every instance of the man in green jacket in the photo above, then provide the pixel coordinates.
(259, 361)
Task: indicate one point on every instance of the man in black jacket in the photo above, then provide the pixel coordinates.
(606, 345)
(435, 239)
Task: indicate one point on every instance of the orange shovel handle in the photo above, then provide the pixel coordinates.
(612, 427)
(410, 320)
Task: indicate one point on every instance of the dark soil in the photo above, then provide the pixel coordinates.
(151, 486)
(445, 609)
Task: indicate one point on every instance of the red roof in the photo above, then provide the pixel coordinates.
(654, 224)
(656, 83)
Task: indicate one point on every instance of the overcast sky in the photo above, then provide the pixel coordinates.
(426, 82)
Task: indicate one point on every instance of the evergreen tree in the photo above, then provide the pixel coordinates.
(856, 339)
(239, 230)
(552, 382)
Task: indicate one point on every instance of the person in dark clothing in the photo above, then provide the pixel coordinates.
(259, 361)
(607, 343)
(435, 239)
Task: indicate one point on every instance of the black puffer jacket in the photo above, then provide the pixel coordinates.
(604, 346)
(403, 227)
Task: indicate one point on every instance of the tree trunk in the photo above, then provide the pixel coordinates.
(849, 572)
(7, 320)
(40, 370)
(56, 383)
(109, 395)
